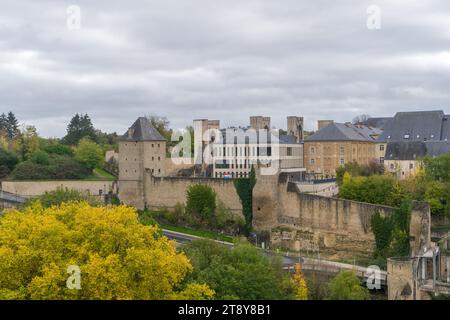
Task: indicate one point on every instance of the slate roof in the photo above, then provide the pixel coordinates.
(345, 132)
(436, 148)
(142, 130)
(416, 126)
(414, 150)
(379, 122)
(405, 150)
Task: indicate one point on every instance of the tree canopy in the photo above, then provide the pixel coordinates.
(243, 272)
(79, 127)
(346, 286)
(118, 258)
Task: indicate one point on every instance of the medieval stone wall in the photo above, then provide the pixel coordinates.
(29, 189)
(166, 192)
(300, 221)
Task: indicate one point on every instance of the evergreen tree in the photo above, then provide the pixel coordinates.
(12, 126)
(80, 126)
(3, 125)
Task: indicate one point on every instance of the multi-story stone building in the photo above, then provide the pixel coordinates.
(410, 136)
(336, 144)
(238, 149)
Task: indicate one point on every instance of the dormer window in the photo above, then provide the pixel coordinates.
(388, 137)
(432, 136)
(406, 136)
(418, 136)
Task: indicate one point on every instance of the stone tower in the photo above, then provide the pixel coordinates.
(259, 122)
(200, 141)
(295, 127)
(141, 149)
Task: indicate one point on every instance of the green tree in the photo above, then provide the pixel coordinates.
(201, 200)
(59, 149)
(241, 273)
(438, 168)
(347, 286)
(40, 157)
(12, 126)
(162, 125)
(28, 142)
(244, 188)
(118, 257)
(61, 195)
(89, 154)
(8, 159)
(79, 127)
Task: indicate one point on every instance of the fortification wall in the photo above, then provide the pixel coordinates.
(166, 192)
(30, 189)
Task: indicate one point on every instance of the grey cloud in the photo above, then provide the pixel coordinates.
(221, 59)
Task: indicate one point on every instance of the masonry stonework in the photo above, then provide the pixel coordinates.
(166, 192)
(299, 221)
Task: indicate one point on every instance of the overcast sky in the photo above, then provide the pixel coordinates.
(226, 60)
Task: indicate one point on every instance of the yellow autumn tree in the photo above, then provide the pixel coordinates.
(301, 289)
(76, 251)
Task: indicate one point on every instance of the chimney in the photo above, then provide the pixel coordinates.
(323, 123)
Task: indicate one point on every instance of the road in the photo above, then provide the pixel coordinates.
(308, 264)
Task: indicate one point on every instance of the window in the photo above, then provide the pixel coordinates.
(312, 150)
(342, 150)
(432, 136)
(289, 151)
(312, 161)
(381, 160)
(406, 136)
(392, 166)
(381, 147)
(411, 166)
(158, 145)
(159, 158)
(153, 145)
(153, 158)
(342, 162)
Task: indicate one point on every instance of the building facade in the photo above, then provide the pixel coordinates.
(336, 144)
(234, 151)
(408, 137)
(141, 149)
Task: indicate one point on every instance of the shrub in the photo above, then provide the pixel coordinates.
(89, 154)
(40, 157)
(346, 286)
(61, 195)
(59, 149)
(28, 170)
(68, 168)
(201, 200)
(8, 159)
(59, 167)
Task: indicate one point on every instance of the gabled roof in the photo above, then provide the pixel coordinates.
(414, 126)
(414, 150)
(405, 150)
(142, 130)
(345, 132)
